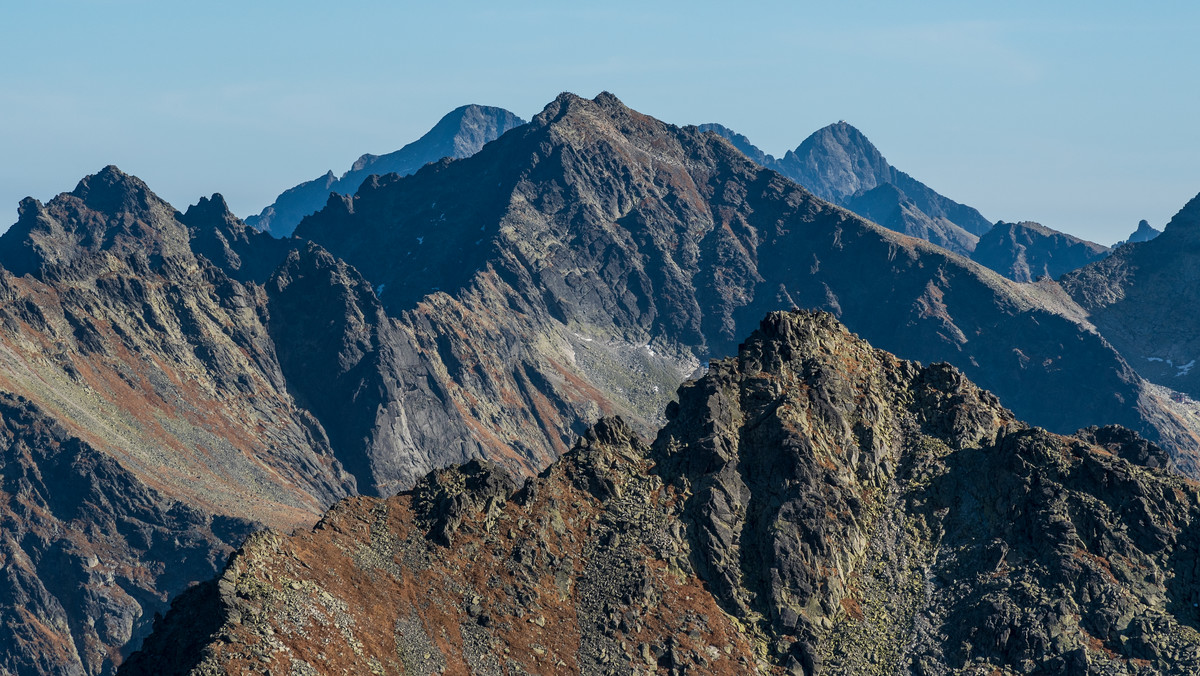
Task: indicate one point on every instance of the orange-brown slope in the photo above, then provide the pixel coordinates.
(579, 572)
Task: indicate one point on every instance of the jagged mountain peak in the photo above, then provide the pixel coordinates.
(109, 211)
(1144, 233)
(837, 162)
(208, 208)
(112, 190)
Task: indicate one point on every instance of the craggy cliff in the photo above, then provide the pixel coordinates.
(813, 506)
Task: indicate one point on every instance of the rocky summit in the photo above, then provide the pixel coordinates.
(1144, 233)
(838, 163)
(813, 506)
(460, 133)
(146, 424)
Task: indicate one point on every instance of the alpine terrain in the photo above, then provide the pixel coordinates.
(171, 381)
(461, 133)
(813, 506)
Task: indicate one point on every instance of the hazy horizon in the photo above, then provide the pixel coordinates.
(1076, 119)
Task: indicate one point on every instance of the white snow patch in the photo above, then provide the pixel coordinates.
(420, 240)
(1183, 370)
(1154, 358)
(379, 290)
(583, 338)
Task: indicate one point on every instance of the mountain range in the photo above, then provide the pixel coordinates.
(191, 378)
(838, 164)
(461, 133)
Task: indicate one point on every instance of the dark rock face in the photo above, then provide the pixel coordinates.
(88, 552)
(148, 418)
(1145, 300)
(243, 253)
(461, 133)
(1028, 251)
(839, 164)
(586, 263)
(814, 506)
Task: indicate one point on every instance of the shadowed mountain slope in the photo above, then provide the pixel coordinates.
(813, 506)
(1145, 300)
(461, 133)
(1027, 251)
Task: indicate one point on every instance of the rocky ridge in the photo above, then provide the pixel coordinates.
(586, 263)
(460, 133)
(1144, 299)
(1027, 251)
(813, 506)
(839, 164)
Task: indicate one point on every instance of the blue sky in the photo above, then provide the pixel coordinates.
(1079, 115)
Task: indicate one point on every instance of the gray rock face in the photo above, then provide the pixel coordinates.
(856, 513)
(1028, 251)
(461, 133)
(888, 206)
(843, 506)
(362, 374)
(586, 263)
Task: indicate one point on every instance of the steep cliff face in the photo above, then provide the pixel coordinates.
(149, 362)
(461, 133)
(1027, 251)
(1144, 299)
(813, 506)
(586, 263)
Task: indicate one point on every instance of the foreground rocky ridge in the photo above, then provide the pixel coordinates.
(813, 506)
